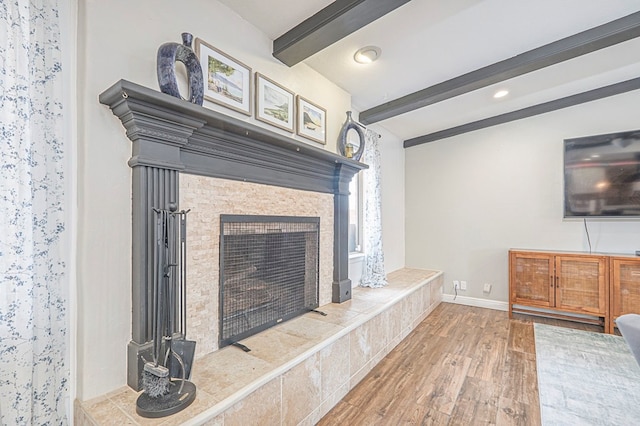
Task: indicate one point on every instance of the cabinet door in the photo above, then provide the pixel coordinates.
(581, 284)
(531, 278)
(625, 286)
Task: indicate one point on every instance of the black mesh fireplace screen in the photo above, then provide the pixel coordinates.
(268, 272)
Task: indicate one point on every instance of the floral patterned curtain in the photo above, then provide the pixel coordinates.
(373, 274)
(34, 367)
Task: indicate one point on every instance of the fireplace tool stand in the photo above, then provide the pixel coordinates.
(165, 377)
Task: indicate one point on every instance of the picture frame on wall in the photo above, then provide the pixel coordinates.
(227, 81)
(311, 122)
(274, 103)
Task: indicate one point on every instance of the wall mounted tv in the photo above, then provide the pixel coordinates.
(602, 175)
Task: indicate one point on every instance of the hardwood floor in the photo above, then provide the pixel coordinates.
(461, 366)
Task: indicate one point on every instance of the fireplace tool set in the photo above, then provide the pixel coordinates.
(165, 376)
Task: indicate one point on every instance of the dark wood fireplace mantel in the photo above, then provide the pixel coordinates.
(174, 134)
(171, 136)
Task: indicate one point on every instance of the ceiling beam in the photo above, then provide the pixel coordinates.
(569, 101)
(334, 22)
(588, 41)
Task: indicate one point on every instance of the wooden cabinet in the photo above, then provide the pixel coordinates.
(625, 287)
(555, 283)
(532, 279)
(582, 284)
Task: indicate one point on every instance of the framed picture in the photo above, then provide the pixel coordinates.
(274, 104)
(311, 120)
(226, 81)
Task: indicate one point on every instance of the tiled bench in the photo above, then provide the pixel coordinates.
(297, 371)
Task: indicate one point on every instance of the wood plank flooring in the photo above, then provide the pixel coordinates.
(461, 366)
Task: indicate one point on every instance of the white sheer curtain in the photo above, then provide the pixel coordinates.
(34, 366)
(373, 274)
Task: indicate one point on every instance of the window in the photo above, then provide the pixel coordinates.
(355, 214)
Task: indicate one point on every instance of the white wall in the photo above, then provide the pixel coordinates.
(471, 197)
(118, 39)
(392, 169)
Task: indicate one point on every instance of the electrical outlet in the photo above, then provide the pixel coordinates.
(487, 288)
(456, 284)
(463, 285)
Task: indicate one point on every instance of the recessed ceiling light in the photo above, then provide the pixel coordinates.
(367, 54)
(501, 93)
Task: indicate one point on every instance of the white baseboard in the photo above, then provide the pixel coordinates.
(473, 301)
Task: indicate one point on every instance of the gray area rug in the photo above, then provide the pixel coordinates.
(586, 378)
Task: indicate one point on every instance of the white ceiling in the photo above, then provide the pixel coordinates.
(425, 42)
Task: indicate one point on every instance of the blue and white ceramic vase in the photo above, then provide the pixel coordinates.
(168, 54)
(342, 138)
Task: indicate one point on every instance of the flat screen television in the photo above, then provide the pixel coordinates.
(602, 175)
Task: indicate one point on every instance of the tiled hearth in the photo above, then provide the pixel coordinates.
(297, 371)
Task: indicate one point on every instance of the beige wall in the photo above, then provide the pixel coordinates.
(118, 39)
(472, 197)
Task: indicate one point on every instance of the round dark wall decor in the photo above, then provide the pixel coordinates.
(342, 139)
(168, 54)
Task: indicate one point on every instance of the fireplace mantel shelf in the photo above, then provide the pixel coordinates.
(176, 134)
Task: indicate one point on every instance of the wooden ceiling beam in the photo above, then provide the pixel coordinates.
(334, 22)
(568, 101)
(600, 37)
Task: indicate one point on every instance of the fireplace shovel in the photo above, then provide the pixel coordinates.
(184, 348)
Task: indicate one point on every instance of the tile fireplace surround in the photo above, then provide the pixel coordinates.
(297, 371)
(208, 198)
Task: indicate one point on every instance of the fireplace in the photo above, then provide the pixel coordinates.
(268, 272)
(173, 140)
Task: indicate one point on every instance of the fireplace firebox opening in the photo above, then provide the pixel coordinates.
(269, 272)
